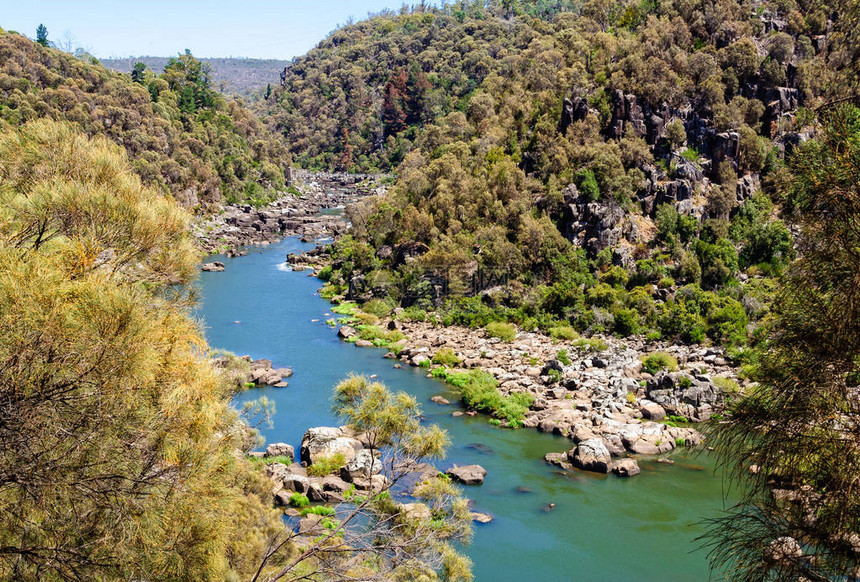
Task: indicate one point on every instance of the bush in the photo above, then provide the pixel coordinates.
(299, 500)
(446, 357)
(563, 333)
(555, 375)
(591, 344)
(726, 385)
(563, 357)
(414, 314)
(327, 465)
(656, 361)
(504, 331)
(377, 307)
(323, 510)
(479, 391)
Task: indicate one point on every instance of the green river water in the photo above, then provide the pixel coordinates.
(602, 527)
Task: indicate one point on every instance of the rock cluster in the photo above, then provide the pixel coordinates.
(244, 371)
(293, 214)
(604, 402)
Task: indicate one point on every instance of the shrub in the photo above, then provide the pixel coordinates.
(685, 382)
(446, 357)
(327, 465)
(726, 385)
(413, 314)
(299, 500)
(563, 333)
(323, 510)
(591, 344)
(504, 331)
(555, 375)
(656, 361)
(325, 273)
(377, 307)
(479, 391)
(563, 357)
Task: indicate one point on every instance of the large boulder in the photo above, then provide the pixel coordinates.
(467, 474)
(591, 455)
(325, 441)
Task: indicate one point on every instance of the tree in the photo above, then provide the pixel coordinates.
(377, 538)
(118, 448)
(42, 35)
(138, 73)
(799, 429)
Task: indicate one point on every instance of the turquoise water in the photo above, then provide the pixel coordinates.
(602, 528)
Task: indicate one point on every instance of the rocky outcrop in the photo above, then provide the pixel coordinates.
(244, 371)
(291, 215)
(602, 397)
(327, 441)
(591, 455)
(592, 225)
(467, 474)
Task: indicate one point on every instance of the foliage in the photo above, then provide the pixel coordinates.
(479, 391)
(504, 331)
(657, 361)
(446, 357)
(299, 500)
(327, 465)
(362, 542)
(799, 515)
(121, 458)
(181, 136)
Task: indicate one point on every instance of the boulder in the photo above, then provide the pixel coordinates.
(591, 455)
(345, 332)
(281, 450)
(215, 267)
(480, 517)
(626, 468)
(440, 400)
(467, 474)
(325, 441)
(363, 465)
(558, 459)
(415, 511)
(652, 411)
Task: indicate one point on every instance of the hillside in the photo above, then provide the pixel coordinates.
(182, 136)
(231, 76)
(620, 169)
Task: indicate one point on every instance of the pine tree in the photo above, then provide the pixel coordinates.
(794, 442)
(42, 35)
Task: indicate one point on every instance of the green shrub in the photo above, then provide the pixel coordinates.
(685, 382)
(377, 307)
(726, 385)
(446, 357)
(680, 442)
(413, 314)
(563, 357)
(325, 273)
(592, 344)
(366, 318)
(327, 465)
(563, 333)
(299, 500)
(555, 375)
(504, 331)
(656, 361)
(479, 391)
(323, 510)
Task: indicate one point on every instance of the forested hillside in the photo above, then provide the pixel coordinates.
(180, 134)
(621, 166)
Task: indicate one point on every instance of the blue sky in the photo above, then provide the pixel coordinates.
(215, 28)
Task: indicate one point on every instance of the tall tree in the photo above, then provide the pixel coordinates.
(794, 442)
(42, 35)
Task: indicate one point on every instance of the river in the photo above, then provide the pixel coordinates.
(602, 528)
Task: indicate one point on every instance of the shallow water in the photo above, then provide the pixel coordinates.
(602, 528)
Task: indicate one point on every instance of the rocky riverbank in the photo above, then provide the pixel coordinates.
(297, 213)
(596, 393)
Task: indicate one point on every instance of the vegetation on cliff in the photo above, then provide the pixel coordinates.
(616, 167)
(181, 136)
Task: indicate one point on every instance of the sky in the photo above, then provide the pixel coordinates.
(273, 29)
